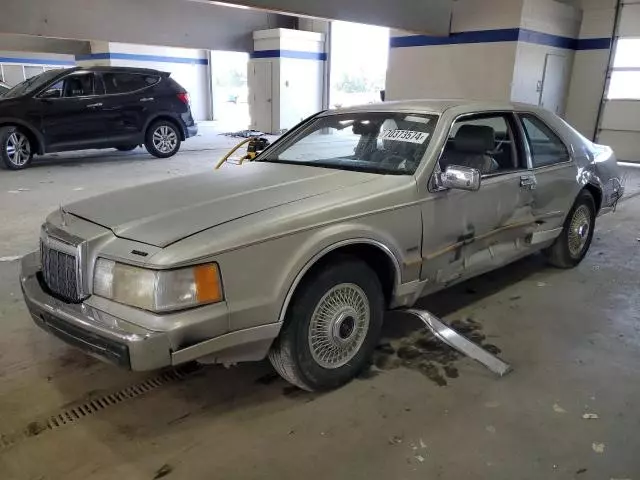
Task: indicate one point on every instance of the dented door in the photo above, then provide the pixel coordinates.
(467, 233)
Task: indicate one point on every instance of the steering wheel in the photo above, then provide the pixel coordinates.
(393, 161)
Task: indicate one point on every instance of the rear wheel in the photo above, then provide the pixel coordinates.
(126, 148)
(16, 151)
(162, 139)
(332, 327)
(573, 243)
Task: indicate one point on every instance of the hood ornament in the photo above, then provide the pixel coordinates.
(62, 214)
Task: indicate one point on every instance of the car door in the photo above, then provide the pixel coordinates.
(129, 102)
(71, 112)
(554, 171)
(466, 232)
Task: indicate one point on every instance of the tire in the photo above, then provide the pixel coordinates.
(342, 348)
(162, 139)
(16, 149)
(126, 148)
(572, 245)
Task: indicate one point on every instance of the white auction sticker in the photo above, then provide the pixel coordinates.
(404, 136)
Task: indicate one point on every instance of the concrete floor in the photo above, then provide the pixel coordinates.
(573, 338)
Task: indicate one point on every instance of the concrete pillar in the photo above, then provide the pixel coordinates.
(286, 78)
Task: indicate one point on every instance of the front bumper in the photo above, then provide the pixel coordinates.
(96, 332)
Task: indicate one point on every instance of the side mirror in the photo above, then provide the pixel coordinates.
(460, 178)
(51, 94)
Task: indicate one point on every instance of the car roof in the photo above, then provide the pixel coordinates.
(98, 68)
(438, 106)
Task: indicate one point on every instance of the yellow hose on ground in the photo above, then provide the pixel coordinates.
(234, 150)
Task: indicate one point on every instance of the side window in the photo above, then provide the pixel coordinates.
(484, 142)
(546, 147)
(127, 82)
(54, 91)
(78, 85)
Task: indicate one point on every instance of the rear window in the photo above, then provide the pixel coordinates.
(127, 82)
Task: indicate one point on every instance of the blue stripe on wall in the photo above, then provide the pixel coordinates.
(482, 36)
(36, 61)
(289, 54)
(540, 38)
(502, 35)
(141, 58)
(593, 44)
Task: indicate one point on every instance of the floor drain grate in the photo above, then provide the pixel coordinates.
(94, 405)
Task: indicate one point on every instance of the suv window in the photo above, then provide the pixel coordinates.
(485, 142)
(546, 147)
(127, 82)
(79, 84)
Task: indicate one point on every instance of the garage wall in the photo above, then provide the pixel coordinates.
(188, 67)
(15, 67)
(590, 65)
(475, 61)
(620, 122)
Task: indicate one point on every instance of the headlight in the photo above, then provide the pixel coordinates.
(157, 290)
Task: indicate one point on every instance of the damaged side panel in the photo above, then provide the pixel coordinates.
(476, 230)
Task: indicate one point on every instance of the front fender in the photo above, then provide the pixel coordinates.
(40, 147)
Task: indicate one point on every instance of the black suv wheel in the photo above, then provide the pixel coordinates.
(162, 139)
(16, 151)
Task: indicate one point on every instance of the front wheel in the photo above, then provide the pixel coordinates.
(331, 328)
(16, 151)
(162, 139)
(573, 243)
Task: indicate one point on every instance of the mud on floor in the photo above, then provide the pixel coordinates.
(423, 352)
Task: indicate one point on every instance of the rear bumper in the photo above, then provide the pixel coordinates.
(191, 131)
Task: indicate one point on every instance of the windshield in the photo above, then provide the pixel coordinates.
(32, 84)
(386, 143)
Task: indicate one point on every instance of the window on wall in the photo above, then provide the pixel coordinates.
(625, 76)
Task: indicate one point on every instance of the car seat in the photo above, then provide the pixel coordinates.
(471, 147)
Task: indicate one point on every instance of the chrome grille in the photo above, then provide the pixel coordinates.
(60, 272)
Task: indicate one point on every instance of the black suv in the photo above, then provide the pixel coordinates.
(96, 107)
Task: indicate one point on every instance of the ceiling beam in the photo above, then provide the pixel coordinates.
(422, 16)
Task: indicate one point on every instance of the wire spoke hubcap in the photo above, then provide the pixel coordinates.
(165, 139)
(579, 230)
(18, 149)
(339, 325)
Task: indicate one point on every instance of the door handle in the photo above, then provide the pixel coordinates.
(150, 99)
(94, 105)
(528, 182)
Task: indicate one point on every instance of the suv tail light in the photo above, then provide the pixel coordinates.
(184, 98)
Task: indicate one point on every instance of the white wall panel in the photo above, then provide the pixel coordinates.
(585, 89)
(529, 70)
(597, 23)
(630, 21)
(622, 115)
(476, 71)
(626, 145)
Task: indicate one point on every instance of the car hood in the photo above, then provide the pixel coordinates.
(162, 213)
